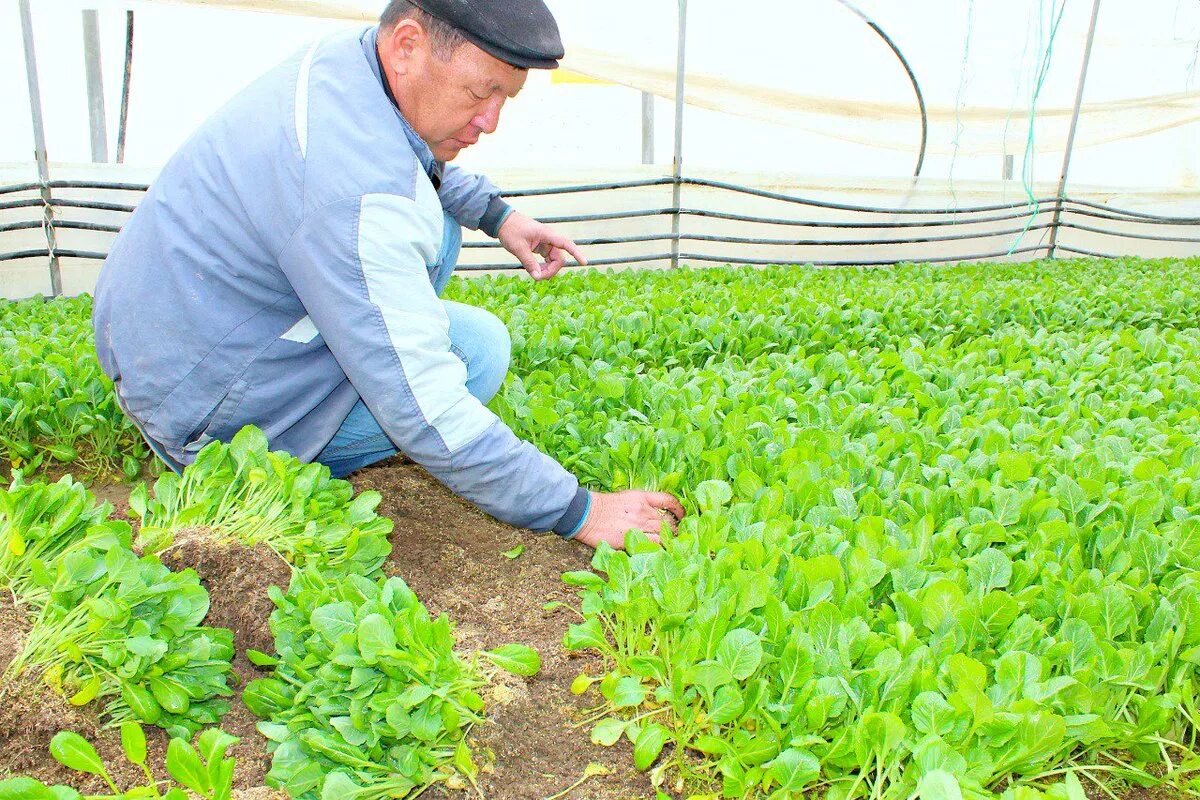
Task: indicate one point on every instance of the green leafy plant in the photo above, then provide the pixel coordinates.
(199, 771)
(57, 406)
(127, 629)
(243, 492)
(368, 699)
(40, 522)
(945, 527)
(106, 623)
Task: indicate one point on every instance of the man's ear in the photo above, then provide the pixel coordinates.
(405, 39)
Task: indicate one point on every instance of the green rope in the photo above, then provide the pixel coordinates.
(1047, 53)
(958, 100)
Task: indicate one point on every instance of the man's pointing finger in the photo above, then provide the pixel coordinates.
(572, 248)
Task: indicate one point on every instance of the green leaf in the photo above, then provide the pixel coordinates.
(375, 637)
(266, 697)
(941, 603)
(794, 769)
(846, 504)
(713, 494)
(514, 552)
(334, 621)
(610, 385)
(629, 692)
(24, 788)
(1149, 468)
(939, 785)
(991, 569)
(63, 452)
(585, 578)
(740, 652)
(607, 731)
(1015, 466)
(143, 705)
(170, 695)
(709, 675)
(649, 745)
(213, 743)
(340, 786)
(516, 658)
(133, 742)
(260, 659)
(185, 766)
(585, 634)
(87, 692)
(728, 703)
(582, 683)
(73, 751)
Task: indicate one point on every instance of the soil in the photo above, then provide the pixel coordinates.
(118, 495)
(237, 578)
(451, 555)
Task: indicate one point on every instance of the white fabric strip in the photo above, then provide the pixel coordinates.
(398, 239)
(302, 100)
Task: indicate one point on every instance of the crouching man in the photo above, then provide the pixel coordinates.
(286, 267)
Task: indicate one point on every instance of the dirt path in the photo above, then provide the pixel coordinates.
(451, 554)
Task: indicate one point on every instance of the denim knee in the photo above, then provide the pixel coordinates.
(490, 364)
(481, 340)
(497, 345)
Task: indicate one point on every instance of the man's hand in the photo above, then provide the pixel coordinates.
(611, 515)
(526, 238)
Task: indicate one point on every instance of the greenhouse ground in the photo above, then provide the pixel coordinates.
(929, 505)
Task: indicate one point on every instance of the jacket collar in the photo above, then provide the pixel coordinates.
(432, 167)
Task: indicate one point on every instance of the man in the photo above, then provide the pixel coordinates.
(285, 269)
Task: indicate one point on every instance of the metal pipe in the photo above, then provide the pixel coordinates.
(912, 78)
(39, 146)
(647, 128)
(94, 74)
(677, 185)
(590, 187)
(1062, 182)
(787, 198)
(123, 125)
(748, 240)
(766, 262)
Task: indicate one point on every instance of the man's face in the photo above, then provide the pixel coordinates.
(450, 103)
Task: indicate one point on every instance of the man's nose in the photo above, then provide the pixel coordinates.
(488, 119)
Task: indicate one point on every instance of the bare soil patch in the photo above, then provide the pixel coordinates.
(237, 578)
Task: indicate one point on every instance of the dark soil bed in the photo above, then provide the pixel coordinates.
(237, 579)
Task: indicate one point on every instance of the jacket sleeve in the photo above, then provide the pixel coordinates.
(359, 267)
(473, 200)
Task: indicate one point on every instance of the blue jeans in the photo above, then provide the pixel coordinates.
(477, 337)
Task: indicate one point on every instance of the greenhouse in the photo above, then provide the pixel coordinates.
(815, 412)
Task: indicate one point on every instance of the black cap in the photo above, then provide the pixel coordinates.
(522, 33)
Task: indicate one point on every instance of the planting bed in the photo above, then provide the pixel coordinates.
(943, 543)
